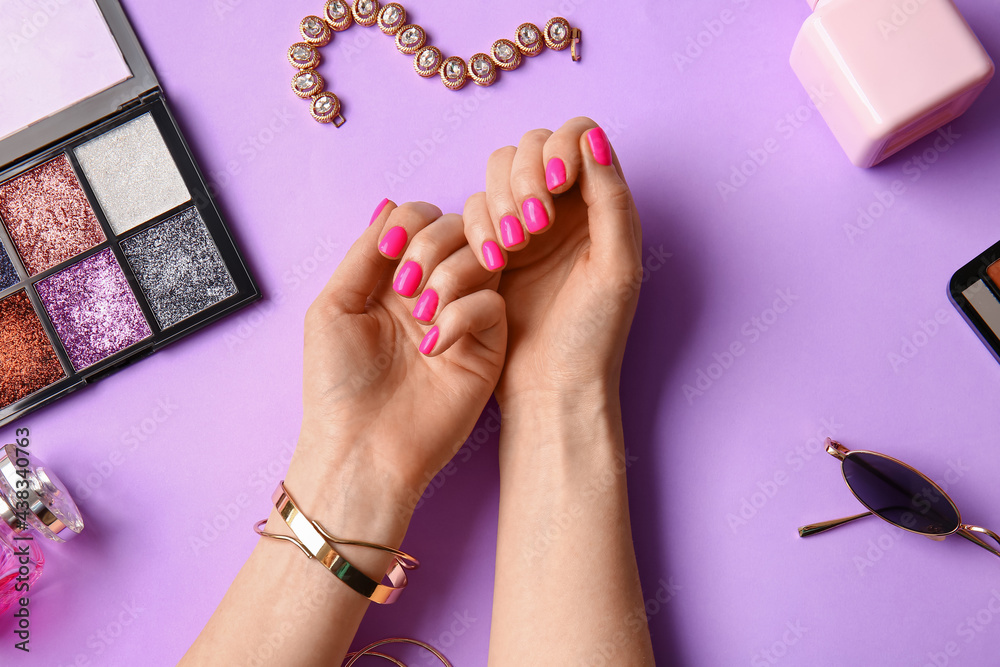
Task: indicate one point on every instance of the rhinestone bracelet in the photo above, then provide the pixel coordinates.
(411, 40)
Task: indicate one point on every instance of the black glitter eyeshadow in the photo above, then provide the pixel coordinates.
(8, 276)
(178, 268)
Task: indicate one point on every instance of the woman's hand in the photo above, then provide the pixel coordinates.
(560, 206)
(387, 400)
(389, 397)
(571, 272)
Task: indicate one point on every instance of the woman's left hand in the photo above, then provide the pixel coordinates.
(388, 398)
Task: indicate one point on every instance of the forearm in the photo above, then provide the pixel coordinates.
(286, 609)
(567, 586)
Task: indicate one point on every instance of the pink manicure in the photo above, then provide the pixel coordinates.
(429, 341)
(599, 146)
(493, 256)
(536, 218)
(510, 231)
(393, 242)
(426, 306)
(408, 279)
(378, 210)
(555, 173)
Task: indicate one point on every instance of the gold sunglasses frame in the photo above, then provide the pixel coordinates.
(967, 531)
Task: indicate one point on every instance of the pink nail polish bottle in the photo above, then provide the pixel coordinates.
(34, 504)
(884, 73)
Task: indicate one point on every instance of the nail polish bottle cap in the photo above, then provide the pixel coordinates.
(47, 506)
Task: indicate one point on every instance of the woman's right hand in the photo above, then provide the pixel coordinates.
(571, 272)
(560, 205)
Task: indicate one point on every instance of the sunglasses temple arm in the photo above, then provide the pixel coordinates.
(816, 528)
(968, 533)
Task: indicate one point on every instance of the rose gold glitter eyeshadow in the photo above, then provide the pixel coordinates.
(27, 360)
(48, 215)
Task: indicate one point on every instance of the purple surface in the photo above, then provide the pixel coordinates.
(200, 432)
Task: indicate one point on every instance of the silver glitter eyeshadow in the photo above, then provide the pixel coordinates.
(178, 267)
(132, 173)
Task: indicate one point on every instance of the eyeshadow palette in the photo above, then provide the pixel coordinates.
(111, 245)
(975, 291)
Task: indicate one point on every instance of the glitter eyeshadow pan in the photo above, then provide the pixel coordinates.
(178, 268)
(8, 274)
(132, 173)
(93, 309)
(48, 216)
(27, 361)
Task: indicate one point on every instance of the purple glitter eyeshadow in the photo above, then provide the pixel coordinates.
(93, 309)
(8, 276)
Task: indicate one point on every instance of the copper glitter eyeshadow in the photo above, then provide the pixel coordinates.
(27, 360)
(111, 244)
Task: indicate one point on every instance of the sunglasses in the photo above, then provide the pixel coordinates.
(899, 494)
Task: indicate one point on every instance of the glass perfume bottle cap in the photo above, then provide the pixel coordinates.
(48, 507)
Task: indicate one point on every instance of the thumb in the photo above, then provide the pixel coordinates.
(614, 222)
(359, 272)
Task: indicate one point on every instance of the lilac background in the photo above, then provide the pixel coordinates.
(296, 194)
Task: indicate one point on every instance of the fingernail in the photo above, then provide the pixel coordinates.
(511, 233)
(555, 173)
(408, 279)
(536, 218)
(493, 256)
(393, 242)
(378, 209)
(599, 146)
(429, 341)
(426, 306)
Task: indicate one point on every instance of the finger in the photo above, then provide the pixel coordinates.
(527, 182)
(457, 276)
(500, 202)
(481, 233)
(378, 211)
(614, 222)
(401, 224)
(561, 154)
(359, 272)
(480, 314)
(428, 247)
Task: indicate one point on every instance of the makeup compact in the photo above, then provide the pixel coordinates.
(111, 245)
(888, 72)
(975, 290)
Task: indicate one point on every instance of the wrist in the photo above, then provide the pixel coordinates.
(560, 411)
(339, 485)
(575, 436)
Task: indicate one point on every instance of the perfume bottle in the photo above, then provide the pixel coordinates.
(885, 73)
(34, 504)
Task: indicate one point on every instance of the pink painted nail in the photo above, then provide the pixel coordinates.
(408, 279)
(599, 146)
(536, 218)
(555, 173)
(429, 341)
(378, 209)
(493, 256)
(393, 242)
(510, 231)
(426, 306)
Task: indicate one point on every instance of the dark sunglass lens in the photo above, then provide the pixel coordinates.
(899, 495)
